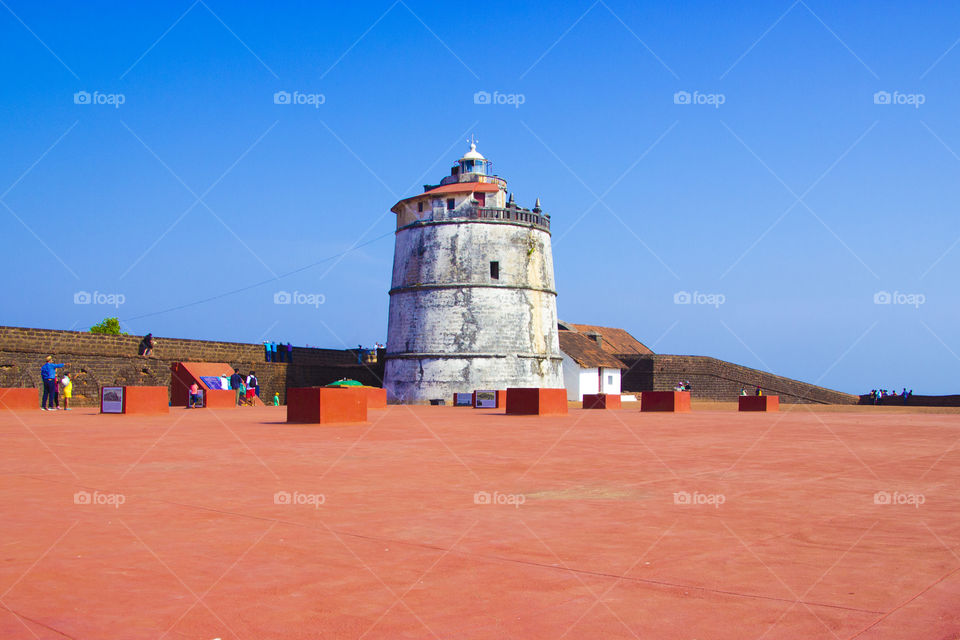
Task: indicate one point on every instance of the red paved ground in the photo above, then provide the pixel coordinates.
(399, 549)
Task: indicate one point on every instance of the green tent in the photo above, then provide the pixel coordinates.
(345, 383)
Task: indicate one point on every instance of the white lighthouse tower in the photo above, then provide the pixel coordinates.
(473, 303)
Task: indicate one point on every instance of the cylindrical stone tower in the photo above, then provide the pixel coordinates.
(473, 303)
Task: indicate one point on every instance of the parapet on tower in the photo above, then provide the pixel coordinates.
(473, 304)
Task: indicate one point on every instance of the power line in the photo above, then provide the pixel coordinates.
(261, 283)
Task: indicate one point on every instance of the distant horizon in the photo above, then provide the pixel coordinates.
(773, 185)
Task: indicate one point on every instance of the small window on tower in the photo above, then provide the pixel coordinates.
(420, 206)
(495, 270)
(451, 203)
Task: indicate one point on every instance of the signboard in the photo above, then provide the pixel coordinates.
(486, 400)
(212, 382)
(111, 400)
(463, 399)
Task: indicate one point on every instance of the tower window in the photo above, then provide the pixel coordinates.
(495, 270)
(451, 203)
(420, 206)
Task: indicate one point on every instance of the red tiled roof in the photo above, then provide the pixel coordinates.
(615, 341)
(453, 187)
(585, 352)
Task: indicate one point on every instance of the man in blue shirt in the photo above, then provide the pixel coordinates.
(48, 373)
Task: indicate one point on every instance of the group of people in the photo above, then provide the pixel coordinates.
(877, 395)
(683, 386)
(757, 391)
(55, 386)
(363, 352)
(277, 351)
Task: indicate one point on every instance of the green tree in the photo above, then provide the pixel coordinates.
(108, 326)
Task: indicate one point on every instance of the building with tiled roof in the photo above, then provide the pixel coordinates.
(615, 341)
(586, 367)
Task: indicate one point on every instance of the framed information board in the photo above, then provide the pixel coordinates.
(463, 399)
(111, 400)
(486, 400)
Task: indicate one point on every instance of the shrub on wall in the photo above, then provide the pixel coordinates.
(108, 326)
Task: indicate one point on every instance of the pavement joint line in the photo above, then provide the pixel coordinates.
(21, 617)
(887, 614)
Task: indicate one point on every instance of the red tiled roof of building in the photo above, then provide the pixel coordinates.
(615, 341)
(586, 352)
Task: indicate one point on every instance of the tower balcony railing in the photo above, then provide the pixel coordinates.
(509, 214)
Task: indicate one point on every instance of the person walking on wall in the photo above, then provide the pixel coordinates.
(147, 345)
(289, 352)
(266, 351)
(48, 374)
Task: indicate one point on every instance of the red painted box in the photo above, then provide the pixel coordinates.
(759, 403)
(219, 398)
(601, 401)
(18, 399)
(376, 397)
(538, 402)
(145, 400)
(323, 405)
(676, 401)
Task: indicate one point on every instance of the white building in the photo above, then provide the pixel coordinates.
(587, 368)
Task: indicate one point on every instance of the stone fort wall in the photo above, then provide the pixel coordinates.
(719, 380)
(103, 360)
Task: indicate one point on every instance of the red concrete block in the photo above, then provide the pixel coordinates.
(145, 400)
(376, 397)
(534, 401)
(601, 401)
(17, 399)
(676, 401)
(759, 403)
(322, 405)
(220, 398)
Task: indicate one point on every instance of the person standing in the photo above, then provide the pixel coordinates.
(289, 352)
(48, 374)
(66, 386)
(236, 382)
(266, 351)
(196, 399)
(253, 383)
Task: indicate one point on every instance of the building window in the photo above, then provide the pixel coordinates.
(610, 380)
(420, 206)
(450, 204)
(495, 270)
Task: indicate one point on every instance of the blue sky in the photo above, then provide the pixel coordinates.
(784, 193)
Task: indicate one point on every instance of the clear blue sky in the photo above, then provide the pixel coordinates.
(798, 199)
